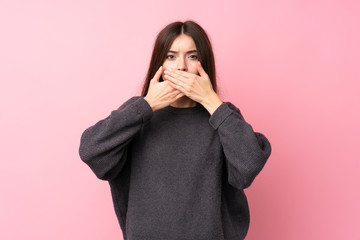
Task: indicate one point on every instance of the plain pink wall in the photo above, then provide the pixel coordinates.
(292, 67)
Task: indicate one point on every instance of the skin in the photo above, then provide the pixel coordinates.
(185, 81)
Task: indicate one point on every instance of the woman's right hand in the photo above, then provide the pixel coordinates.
(161, 94)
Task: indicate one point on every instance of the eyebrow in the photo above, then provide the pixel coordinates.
(191, 51)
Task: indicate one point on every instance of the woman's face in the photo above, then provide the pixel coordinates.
(182, 55)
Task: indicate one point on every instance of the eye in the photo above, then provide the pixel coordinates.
(193, 56)
(170, 57)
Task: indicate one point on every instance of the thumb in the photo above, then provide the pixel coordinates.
(157, 75)
(201, 70)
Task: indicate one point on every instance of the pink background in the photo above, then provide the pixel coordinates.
(292, 67)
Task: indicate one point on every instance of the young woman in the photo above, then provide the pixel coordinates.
(177, 157)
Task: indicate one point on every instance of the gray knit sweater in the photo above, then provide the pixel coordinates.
(176, 173)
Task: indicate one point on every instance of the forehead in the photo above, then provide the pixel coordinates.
(183, 42)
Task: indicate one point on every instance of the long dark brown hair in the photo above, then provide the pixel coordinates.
(163, 43)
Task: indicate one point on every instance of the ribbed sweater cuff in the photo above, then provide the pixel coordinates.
(143, 108)
(219, 115)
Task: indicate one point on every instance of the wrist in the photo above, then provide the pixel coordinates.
(212, 102)
(149, 102)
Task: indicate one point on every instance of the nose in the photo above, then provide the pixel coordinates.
(181, 64)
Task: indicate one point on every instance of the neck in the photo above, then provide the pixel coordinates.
(184, 102)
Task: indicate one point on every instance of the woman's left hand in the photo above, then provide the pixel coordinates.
(196, 87)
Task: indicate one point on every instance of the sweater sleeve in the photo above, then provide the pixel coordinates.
(246, 151)
(103, 146)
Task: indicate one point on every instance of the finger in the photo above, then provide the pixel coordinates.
(178, 87)
(175, 92)
(201, 70)
(184, 74)
(175, 78)
(185, 87)
(157, 74)
(181, 74)
(169, 88)
(179, 95)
